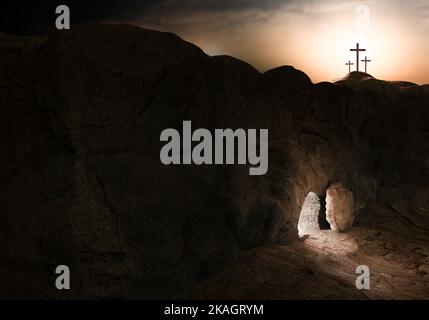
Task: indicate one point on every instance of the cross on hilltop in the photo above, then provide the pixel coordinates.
(349, 64)
(357, 55)
(366, 60)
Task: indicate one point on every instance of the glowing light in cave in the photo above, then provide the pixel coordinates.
(312, 218)
(309, 217)
(323, 240)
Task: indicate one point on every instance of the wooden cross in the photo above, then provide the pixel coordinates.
(357, 55)
(366, 61)
(349, 64)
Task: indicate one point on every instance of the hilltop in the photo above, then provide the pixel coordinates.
(364, 81)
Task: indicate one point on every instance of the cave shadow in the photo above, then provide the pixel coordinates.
(323, 223)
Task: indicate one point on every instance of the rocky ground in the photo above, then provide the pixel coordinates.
(323, 266)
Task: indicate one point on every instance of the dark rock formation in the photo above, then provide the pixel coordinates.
(82, 183)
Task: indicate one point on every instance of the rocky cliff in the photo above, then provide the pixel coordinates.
(82, 183)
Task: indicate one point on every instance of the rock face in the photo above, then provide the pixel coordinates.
(340, 208)
(82, 183)
(309, 217)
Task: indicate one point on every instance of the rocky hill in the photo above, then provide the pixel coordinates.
(82, 183)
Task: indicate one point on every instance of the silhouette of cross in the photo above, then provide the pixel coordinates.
(357, 55)
(349, 64)
(366, 61)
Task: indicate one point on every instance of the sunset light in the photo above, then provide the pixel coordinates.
(313, 36)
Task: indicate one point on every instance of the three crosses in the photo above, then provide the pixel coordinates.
(357, 50)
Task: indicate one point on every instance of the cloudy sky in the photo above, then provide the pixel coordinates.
(312, 35)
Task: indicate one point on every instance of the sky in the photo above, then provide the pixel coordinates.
(314, 36)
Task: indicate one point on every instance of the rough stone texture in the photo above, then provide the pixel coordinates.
(323, 266)
(340, 210)
(81, 181)
(309, 217)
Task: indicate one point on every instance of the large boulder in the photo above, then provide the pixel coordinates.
(309, 217)
(339, 207)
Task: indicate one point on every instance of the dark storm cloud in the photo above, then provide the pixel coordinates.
(222, 5)
(33, 17)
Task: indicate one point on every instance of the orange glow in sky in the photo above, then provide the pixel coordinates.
(316, 36)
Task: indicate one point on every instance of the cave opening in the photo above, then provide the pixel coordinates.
(312, 218)
(323, 222)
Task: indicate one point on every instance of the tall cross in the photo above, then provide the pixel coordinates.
(366, 61)
(357, 55)
(349, 64)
